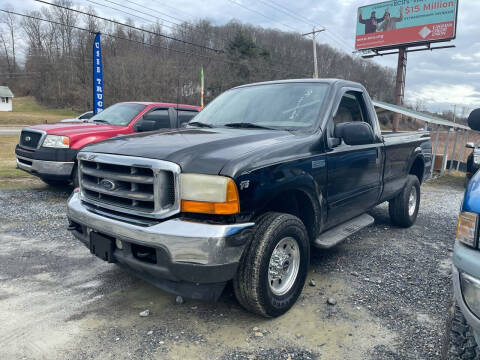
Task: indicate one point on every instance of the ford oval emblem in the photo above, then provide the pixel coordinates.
(108, 184)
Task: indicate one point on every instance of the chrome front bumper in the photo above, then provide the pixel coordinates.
(466, 260)
(47, 168)
(187, 251)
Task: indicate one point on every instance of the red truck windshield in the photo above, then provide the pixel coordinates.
(119, 114)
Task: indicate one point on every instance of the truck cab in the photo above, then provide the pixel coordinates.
(49, 151)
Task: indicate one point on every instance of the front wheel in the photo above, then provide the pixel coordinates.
(403, 209)
(55, 183)
(274, 266)
(75, 179)
(462, 341)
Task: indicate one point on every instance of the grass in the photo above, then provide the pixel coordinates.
(10, 176)
(27, 111)
(453, 178)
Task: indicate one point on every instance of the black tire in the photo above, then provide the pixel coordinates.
(75, 182)
(398, 206)
(55, 183)
(462, 342)
(251, 284)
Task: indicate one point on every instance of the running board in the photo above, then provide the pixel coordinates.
(337, 234)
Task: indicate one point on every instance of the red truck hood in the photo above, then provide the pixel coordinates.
(72, 129)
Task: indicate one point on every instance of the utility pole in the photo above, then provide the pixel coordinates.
(315, 65)
(454, 113)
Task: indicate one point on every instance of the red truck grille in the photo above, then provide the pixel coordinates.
(30, 139)
(133, 185)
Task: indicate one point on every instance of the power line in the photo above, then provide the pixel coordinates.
(183, 23)
(259, 13)
(129, 26)
(137, 16)
(333, 36)
(146, 44)
(285, 11)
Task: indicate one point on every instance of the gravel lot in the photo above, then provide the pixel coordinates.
(391, 286)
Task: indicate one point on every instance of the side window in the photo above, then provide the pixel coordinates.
(185, 116)
(87, 115)
(351, 108)
(160, 117)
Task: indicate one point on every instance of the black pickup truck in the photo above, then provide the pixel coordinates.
(263, 173)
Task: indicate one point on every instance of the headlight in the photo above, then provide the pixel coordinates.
(466, 228)
(56, 141)
(476, 158)
(471, 292)
(208, 194)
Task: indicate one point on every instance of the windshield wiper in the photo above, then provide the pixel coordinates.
(247, 125)
(200, 124)
(101, 121)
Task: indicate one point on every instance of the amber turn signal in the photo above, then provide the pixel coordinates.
(230, 206)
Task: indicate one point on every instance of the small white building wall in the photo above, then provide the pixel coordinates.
(6, 106)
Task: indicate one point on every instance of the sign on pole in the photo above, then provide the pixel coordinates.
(398, 23)
(98, 100)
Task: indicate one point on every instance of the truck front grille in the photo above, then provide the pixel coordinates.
(30, 139)
(128, 184)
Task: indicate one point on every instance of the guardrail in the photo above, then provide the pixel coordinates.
(433, 124)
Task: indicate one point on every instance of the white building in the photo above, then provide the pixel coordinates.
(6, 97)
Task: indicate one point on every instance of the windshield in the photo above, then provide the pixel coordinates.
(292, 106)
(119, 114)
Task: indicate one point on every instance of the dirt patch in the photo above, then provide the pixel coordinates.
(392, 290)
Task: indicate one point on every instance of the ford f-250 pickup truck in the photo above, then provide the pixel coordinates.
(49, 151)
(262, 173)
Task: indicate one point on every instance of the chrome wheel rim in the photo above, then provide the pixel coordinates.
(412, 201)
(283, 266)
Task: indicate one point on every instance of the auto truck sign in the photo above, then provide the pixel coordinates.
(98, 100)
(405, 22)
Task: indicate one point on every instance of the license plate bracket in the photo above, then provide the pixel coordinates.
(102, 247)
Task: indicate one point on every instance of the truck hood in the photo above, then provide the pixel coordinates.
(71, 129)
(195, 150)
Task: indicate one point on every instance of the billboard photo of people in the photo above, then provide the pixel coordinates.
(398, 22)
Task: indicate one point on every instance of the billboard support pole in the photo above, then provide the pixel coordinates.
(400, 84)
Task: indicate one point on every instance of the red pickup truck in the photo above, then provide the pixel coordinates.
(50, 151)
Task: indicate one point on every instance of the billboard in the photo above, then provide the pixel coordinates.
(401, 22)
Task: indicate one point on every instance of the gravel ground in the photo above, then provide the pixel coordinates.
(391, 287)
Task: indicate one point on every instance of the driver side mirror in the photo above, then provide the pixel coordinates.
(145, 125)
(474, 120)
(470, 145)
(355, 133)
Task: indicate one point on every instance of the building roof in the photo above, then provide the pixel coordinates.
(5, 92)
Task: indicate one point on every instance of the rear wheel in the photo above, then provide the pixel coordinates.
(274, 267)
(403, 209)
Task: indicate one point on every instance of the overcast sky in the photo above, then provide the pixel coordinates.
(439, 79)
